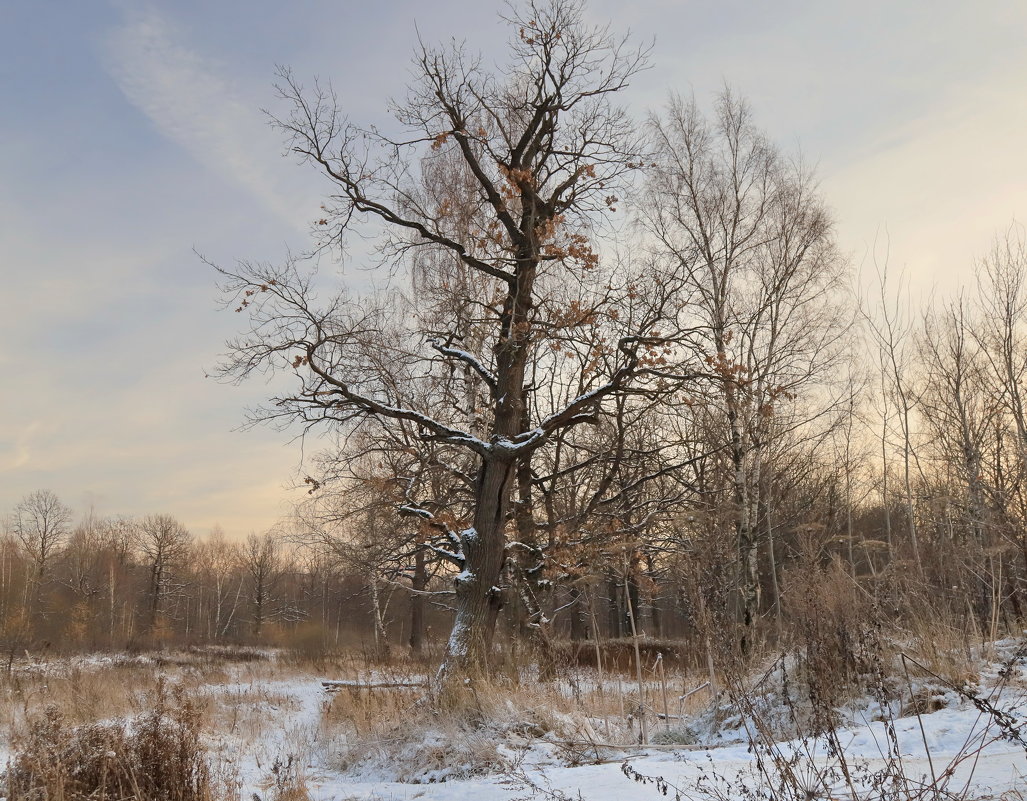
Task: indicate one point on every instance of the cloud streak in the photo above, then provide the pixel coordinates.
(186, 98)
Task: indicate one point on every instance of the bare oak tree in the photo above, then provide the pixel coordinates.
(533, 158)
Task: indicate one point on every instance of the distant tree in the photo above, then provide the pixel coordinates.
(164, 544)
(263, 562)
(891, 326)
(118, 536)
(960, 409)
(219, 568)
(41, 524)
(358, 525)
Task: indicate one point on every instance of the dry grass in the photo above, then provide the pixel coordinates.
(83, 695)
(71, 712)
(157, 757)
(405, 734)
(269, 714)
(944, 646)
(115, 686)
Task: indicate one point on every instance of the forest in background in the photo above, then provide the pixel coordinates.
(901, 479)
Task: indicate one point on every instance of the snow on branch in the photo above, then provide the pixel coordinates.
(455, 556)
(440, 431)
(469, 359)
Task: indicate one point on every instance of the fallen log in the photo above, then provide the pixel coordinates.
(332, 685)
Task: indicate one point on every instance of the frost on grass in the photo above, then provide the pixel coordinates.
(158, 755)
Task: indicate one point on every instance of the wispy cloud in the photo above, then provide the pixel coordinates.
(185, 96)
(20, 454)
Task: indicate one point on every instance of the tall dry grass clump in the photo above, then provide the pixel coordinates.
(159, 756)
(836, 629)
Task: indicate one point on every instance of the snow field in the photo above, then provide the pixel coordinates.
(272, 726)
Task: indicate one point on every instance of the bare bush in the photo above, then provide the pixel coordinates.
(160, 755)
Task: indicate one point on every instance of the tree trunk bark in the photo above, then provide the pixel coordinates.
(613, 616)
(775, 587)
(478, 595)
(631, 623)
(156, 579)
(381, 637)
(655, 618)
(748, 553)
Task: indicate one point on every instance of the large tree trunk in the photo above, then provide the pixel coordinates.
(529, 565)
(478, 594)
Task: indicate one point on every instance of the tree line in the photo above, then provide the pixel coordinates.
(132, 583)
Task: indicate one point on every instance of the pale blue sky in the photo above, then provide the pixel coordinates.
(131, 133)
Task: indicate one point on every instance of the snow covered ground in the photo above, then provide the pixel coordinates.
(957, 739)
(271, 725)
(1000, 767)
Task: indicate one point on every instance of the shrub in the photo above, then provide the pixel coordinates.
(159, 756)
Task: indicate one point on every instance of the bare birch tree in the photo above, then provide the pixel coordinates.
(753, 240)
(891, 327)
